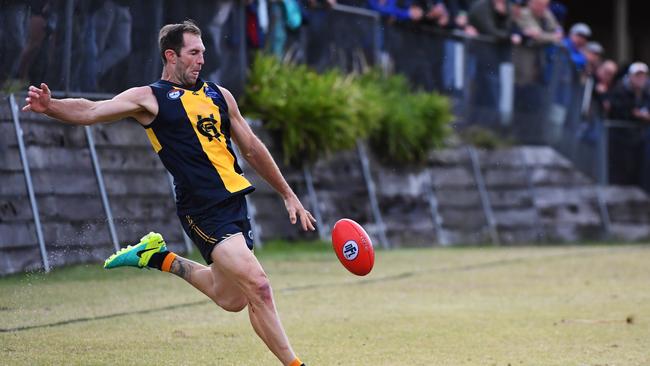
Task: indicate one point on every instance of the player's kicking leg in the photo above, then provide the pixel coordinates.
(234, 280)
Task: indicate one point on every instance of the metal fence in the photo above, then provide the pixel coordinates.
(531, 94)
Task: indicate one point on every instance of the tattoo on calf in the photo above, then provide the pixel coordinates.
(182, 268)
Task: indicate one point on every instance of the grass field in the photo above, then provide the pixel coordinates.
(468, 306)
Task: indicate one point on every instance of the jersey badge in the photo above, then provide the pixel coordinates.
(175, 94)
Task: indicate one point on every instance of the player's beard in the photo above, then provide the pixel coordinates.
(185, 75)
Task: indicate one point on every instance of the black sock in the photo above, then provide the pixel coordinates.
(157, 259)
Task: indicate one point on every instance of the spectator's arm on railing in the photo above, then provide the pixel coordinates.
(389, 8)
(530, 28)
(480, 17)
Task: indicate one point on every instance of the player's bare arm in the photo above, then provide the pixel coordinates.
(258, 156)
(138, 103)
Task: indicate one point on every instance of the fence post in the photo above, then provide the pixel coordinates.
(372, 194)
(28, 182)
(435, 213)
(102, 187)
(313, 201)
(482, 191)
(539, 230)
(603, 176)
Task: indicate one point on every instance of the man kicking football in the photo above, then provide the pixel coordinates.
(190, 123)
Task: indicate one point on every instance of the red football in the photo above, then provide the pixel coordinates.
(353, 247)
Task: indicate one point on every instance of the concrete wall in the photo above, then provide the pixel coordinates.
(535, 195)
(74, 224)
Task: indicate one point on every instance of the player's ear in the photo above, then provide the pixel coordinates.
(170, 56)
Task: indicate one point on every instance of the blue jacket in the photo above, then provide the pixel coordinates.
(391, 8)
(578, 58)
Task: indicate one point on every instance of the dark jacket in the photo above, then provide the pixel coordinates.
(487, 21)
(624, 101)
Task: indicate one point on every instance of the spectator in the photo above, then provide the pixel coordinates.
(113, 34)
(435, 12)
(485, 59)
(630, 98)
(256, 23)
(277, 27)
(104, 40)
(594, 54)
(630, 101)
(492, 18)
(603, 81)
(12, 38)
(217, 30)
(457, 10)
(394, 11)
(516, 6)
(538, 24)
(575, 43)
(559, 11)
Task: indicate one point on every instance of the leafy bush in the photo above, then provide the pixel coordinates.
(484, 138)
(316, 114)
(411, 124)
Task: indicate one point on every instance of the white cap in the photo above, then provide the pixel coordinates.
(581, 29)
(595, 47)
(637, 67)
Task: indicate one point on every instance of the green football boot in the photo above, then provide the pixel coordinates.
(137, 255)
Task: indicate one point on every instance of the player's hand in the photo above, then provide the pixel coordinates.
(38, 100)
(295, 210)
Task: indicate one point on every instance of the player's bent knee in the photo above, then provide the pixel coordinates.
(234, 305)
(260, 290)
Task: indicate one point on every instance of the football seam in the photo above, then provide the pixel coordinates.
(363, 236)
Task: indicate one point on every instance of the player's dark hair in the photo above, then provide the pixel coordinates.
(171, 37)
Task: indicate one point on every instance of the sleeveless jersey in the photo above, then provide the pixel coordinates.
(191, 135)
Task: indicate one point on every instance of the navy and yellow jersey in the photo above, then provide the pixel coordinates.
(191, 135)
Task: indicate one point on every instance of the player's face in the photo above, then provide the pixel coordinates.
(190, 60)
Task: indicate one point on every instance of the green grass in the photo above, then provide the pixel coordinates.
(587, 305)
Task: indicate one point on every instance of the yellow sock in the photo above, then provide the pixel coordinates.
(296, 362)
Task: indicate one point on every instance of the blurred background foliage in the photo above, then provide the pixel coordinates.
(318, 114)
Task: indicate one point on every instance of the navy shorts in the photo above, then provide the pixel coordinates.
(214, 225)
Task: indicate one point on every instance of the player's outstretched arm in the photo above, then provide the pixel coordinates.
(131, 103)
(258, 156)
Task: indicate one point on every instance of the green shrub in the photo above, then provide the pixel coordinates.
(484, 138)
(317, 114)
(314, 114)
(411, 124)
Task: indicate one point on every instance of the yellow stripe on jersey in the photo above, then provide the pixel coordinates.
(204, 116)
(154, 140)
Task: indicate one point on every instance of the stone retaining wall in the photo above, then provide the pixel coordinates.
(535, 196)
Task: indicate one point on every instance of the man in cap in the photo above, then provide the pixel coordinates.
(594, 53)
(630, 101)
(576, 42)
(538, 23)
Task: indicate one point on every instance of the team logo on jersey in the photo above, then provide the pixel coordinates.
(210, 92)
(208, 127)
(174, 94)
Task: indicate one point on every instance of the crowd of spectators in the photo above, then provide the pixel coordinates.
(617, 92)
(32, 34)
